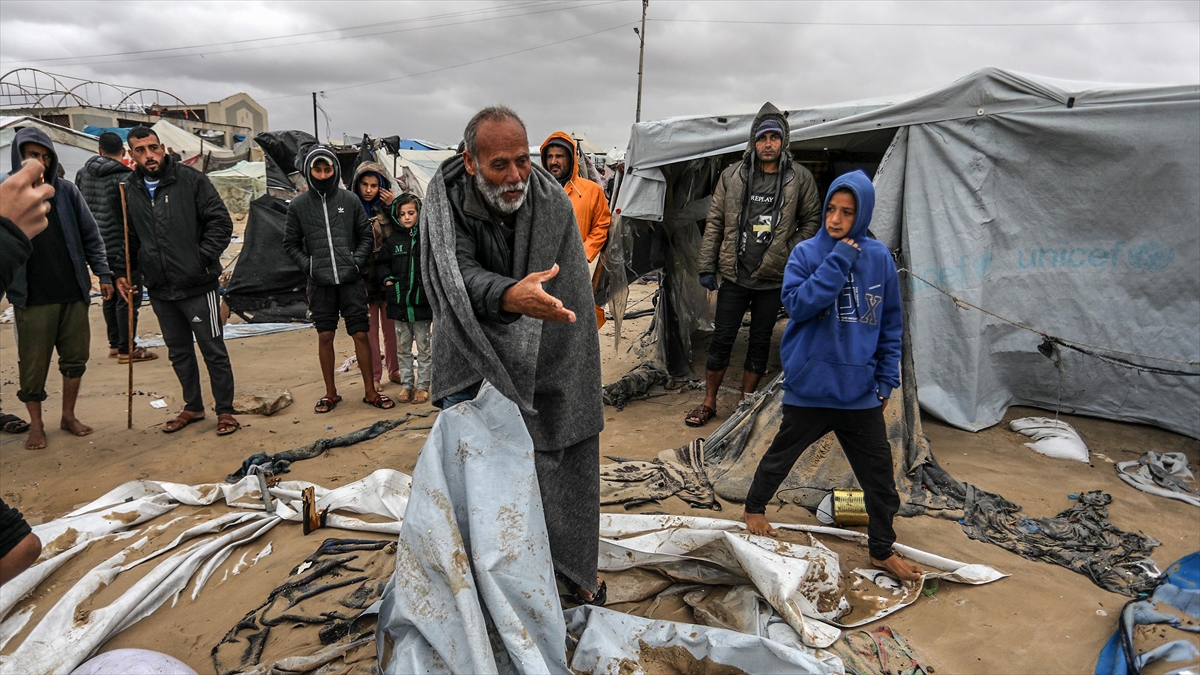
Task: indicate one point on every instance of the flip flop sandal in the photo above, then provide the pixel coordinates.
(380, 401)
(139, 354)
(699, 416)
(226, 424)
(598, 598)
(13, 424)
(180, 422)
(326, 404)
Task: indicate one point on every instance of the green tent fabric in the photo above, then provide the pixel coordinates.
(240, 184)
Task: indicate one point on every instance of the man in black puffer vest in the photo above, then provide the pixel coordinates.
(178, 228)
(329, 237)
(99, 181)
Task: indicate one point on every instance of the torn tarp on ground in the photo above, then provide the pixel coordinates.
(612, 642)
(678, 472)
(1166, 475)
(634, 385)
(1080, 538)
(803, 583)
(65, 636)
(325, 596)
(1175, 604)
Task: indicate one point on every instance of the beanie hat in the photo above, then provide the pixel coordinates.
(768, 124)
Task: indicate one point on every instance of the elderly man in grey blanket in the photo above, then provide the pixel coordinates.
(512, 304)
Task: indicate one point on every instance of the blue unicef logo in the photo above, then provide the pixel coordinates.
(1150, 257)
(983, 263)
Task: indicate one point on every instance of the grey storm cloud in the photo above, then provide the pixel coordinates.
(573, 65)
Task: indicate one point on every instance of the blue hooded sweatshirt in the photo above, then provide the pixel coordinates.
(841, 348)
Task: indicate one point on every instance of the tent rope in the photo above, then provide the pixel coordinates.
(1074, 345)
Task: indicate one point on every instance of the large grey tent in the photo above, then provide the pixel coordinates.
(1070, 211)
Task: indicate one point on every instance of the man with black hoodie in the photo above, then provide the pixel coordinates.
(329, 237)
(99, 180)
(52, 290)
(761, 208)
(176, 248)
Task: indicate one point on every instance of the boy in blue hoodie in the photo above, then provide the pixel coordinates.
(841, 359)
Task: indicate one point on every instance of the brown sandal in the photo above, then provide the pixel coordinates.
(139, 354)
(700, 416)
(227, 424)
(185, 418)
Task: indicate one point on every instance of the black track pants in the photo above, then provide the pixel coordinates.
(863, 437)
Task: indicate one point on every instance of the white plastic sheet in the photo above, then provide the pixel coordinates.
(473, 556)
(1052, 438)
(59, 642)
(612, 643)
(794, 579)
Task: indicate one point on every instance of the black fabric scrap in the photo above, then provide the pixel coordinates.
(279, 462)
(1080, 538)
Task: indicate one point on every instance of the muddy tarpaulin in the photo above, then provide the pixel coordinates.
(474, 588)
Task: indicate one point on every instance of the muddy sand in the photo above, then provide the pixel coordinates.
(1041, 619)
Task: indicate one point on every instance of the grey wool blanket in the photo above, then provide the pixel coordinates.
(550, 370)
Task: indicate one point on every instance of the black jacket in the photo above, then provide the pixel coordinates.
(400, 263)
(483, 246)
(327, 234)
(15, 249)
(99, 182)
(176, 238)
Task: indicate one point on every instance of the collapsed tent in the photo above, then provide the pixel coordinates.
(1012, 193)
(73, 148)
(266, 286)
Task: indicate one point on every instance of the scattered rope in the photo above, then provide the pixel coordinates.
(1046, 348)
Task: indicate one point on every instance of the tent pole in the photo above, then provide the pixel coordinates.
(641, 59)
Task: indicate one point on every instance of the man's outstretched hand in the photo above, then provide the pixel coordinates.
(527, 297)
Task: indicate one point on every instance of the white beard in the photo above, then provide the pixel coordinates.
(493, 194)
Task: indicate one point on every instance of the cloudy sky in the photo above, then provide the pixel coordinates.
(419, 69)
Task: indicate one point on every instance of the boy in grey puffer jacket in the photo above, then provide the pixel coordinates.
(328, 236)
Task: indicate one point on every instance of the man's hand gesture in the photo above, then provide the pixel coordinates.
(527, 297)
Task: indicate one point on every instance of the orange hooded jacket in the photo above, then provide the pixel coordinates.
(587, 198)
(590, 205)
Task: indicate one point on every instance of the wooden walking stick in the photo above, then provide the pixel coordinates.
(129, 307)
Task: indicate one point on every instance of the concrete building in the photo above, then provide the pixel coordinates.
(232, 120)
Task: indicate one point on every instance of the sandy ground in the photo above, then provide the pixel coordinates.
(1042, 619)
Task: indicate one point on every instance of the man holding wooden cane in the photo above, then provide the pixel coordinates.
(177, 249)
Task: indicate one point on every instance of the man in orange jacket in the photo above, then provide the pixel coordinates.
(587, 198)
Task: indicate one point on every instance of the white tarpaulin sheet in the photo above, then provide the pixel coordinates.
(474, 556)
(794, 579)
(187, 144)
(1068, 207)
(612, 643)
(60, 641)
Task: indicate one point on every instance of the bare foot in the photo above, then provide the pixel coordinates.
(74, 426)
(37, 437)
(378, 386)
(900, 567)
(757, 524)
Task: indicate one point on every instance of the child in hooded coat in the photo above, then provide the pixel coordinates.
(841, 359)
(399, 259)
(374, 192)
